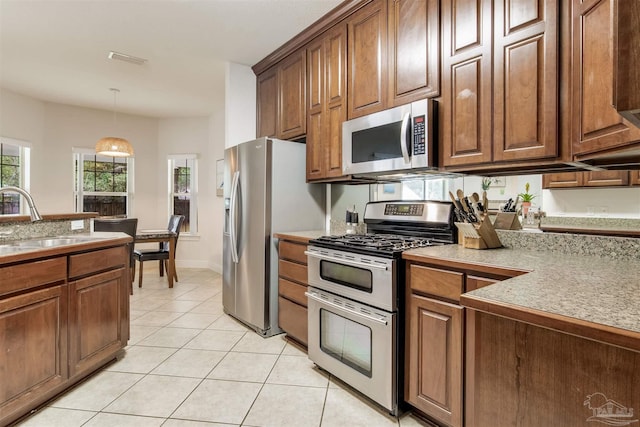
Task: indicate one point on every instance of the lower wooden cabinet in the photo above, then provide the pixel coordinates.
(435, 358)
(292, 285)
(33, 343)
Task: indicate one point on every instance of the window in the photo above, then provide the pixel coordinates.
(183, 190)
(14, 171)
(102, 183)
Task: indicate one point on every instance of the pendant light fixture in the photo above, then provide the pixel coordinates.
(110, 145)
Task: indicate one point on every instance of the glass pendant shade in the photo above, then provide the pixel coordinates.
(112, 146)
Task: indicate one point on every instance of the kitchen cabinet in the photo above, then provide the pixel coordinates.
(602, 178)
(500, 91)
(98, 324)
(292, 285)
(414, 50)
(33, 334)
(596, 125)
(627, 60)
(634, 177)
(61, 318)
(326, 108)
(367, 88)
(435, 333)
(281, 98)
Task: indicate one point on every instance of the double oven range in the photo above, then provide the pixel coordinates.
(356, 294)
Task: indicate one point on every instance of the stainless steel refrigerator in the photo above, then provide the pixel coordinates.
(264, 192)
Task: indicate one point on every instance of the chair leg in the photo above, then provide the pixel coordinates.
(161, 268)
(140, 276)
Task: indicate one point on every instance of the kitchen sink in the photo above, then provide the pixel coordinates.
(50, 242)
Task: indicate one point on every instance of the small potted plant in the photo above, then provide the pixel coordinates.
(526, 198)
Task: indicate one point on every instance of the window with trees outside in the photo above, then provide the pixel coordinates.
(103, 184)
(183, 190)
(14, 172)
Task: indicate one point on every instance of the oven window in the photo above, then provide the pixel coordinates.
(347, 341)
(378, 143)
(354, 277)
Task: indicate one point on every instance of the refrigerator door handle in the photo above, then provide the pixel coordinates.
(232, 214)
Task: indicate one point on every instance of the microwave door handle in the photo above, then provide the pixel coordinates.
(403, 138)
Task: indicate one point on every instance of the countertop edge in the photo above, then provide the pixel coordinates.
(300, 236)
(49, 217)
(619, 337)
(476, 266)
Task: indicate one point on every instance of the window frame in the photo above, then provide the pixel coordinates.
(24, 164)
(78, 159)
(192, 195)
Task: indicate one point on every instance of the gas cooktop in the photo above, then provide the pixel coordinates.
(385, 245)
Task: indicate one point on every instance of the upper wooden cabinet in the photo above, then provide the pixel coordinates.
(367, 65)
(596, 124)
(500, 81)
(587, 179)
(326, 108)
(634, 177)
(414, 50)
(281, 93)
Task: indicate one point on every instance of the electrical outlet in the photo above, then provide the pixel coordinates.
(77, 224)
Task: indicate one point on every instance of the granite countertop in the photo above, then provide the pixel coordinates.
(607, 230)
(42, 247)
(572, 293)
(300, 236)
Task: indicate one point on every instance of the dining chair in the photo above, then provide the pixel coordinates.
(125, 225)
(162, 253)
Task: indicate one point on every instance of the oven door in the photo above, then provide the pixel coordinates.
(356, 343)
(367, 279)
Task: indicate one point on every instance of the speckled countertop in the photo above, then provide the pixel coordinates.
(567, 292)
(300, 236)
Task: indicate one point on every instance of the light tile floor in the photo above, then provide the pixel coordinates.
(190, 365)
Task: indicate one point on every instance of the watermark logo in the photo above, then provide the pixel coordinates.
(609, 412)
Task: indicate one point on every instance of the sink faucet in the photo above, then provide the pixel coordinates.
(35, 215)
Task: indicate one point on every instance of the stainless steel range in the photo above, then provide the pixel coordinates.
(356, 284)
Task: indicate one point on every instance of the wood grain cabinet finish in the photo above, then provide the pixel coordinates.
(367, 89)
(627, 60)
(281, 98)
(596, 124)
(326, 103)
(634, 177)
(33, 339)
(414, 50)
(292, 285)
(54, 331)
(500, 81)
(528, 376)
(587, 179)
(97, 326)
(435, 359)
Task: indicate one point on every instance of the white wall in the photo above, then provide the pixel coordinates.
(593, 202)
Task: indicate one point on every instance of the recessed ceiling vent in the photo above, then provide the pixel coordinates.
(126, 58)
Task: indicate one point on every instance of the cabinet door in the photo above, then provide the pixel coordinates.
(97, 323)
(315, 111)
(434, 358)
(267, 103)
(33, 339)
(634, 177)
(414, 50)
(562, 180)
(292, 74)
(367, 37)
(525, 54)
(466, 109)
(596, 123)
(606, 178)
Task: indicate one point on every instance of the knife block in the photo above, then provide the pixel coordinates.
(507, 221)
(480, 235)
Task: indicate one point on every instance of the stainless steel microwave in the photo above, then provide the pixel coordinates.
(392, 141)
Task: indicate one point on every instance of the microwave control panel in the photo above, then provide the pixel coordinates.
(418, 135)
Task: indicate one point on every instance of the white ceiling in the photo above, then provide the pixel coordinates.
(56, 50)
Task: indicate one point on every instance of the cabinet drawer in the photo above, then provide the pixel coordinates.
(293, 251)
(32, 274)
(442, 283)
(292, 271)
(292, 318)
(92, 262)
(293, 291)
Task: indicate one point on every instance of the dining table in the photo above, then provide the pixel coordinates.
(160, 235)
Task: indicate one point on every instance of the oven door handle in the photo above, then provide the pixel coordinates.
(346, 261)
(355, 313)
